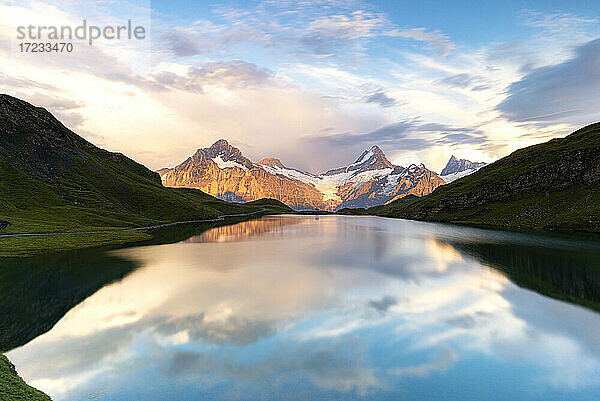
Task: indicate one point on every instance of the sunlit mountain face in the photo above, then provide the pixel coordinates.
(371, 180)
(333, 307)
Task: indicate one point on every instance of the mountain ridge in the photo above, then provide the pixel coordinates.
(455, 165)
(456, 169)
(371, 180)
(551, 186)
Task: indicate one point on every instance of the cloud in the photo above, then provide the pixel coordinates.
(461, 138)
(462, 321)
(47, 96)
(357, 25)
(181, 44)
(295, 31)
(318, 31)
(235, 74)
(8, 82)
(382, 305)
(558, 93)
(408, 135)
(327, 34)
(556, 22)
(311, 65)
(381, 98)
(464, 81)
(435, 39)
(199, 40)
(54, 103)
(237, 331)
(332, 366)
(442, 362)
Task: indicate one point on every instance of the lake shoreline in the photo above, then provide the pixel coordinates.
(28, 244)
(31, 244)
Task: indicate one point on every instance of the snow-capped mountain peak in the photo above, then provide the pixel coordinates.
(223, 171)
(223, 154)
(458, 168)
(371, 159)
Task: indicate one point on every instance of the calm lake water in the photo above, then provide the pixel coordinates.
(298, 308)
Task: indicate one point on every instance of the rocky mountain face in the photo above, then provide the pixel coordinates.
(456, 169)
(221, 170)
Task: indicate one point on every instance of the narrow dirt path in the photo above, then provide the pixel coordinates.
(219, 218)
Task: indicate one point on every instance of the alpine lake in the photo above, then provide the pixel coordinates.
(310, 308)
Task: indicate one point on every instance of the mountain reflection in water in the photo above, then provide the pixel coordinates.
(341, 307)
(252, 228)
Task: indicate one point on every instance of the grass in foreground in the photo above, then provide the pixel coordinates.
(28, 246)
(13, 388)
(31, 245)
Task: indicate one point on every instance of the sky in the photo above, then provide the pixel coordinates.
(314, 83)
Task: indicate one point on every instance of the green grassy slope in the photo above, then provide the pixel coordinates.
(13, 388)
(552, 186)
(53, 180)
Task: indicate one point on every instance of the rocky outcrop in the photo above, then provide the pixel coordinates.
(4, 225)
(372, 159)
(412, 180)
(456, 169)
(581, 167)
(455, 165)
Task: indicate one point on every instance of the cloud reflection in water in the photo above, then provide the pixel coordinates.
(341, 307)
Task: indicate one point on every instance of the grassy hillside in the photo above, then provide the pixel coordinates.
(551, 186)
(52, 180)
(13, 388)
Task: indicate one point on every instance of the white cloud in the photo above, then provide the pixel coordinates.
(435, 39)
(273, 72)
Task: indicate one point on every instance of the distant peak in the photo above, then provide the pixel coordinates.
(220, 143)
(455, 165)
(224, 151)
(271, 162)
(372, 159)
(374, 151)
(222, 147)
